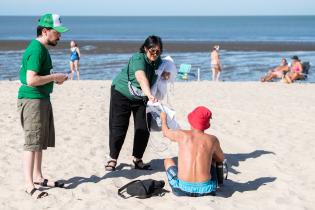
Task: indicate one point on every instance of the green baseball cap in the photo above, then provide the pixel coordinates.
(52, 21)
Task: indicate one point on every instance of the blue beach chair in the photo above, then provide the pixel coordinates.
(184, 72)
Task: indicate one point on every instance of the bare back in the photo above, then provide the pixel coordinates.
(215, 60)
(195, 156)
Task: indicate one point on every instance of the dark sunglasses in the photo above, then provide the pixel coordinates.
(154, 51)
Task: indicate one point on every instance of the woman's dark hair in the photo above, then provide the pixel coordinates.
(285, 60)
(40, 29)
(152, 41)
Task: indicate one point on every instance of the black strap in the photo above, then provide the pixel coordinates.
(59, 184)
(128, 70)
(33, 191)
(124, 187)
(45, 182)
(227, 169)
(42, 194)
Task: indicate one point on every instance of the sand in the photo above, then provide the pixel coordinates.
(266, 131)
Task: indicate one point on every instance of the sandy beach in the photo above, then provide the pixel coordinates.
(266, 131)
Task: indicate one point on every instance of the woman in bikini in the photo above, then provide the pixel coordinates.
(296, 70)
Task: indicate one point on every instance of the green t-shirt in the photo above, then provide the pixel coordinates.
(137, 62)
(35, 58)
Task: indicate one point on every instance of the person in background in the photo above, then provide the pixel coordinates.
(215, 63)
(75, 56)
(34, 102)
(137, 76)
(296, 70)
(277, 72)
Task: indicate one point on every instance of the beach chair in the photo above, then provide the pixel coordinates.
(184, 72)
(306, 67)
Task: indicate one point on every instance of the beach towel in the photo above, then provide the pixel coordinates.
(159, 89)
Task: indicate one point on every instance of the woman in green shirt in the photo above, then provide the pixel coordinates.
(140, 74)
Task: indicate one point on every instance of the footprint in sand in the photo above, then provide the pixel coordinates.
(85, 190)
(67, 138)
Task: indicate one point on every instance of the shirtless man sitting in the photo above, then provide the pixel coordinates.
(198, 152)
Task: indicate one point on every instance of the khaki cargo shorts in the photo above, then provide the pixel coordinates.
(38, 123)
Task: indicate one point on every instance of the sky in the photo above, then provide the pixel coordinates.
(158, 7)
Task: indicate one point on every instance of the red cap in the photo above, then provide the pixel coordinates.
(199, 118)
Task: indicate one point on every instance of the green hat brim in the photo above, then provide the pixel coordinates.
(61, 29)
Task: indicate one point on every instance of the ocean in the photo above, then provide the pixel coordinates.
(237, 65)
(245, 28)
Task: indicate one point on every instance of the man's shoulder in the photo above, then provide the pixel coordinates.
(184, 135)
(211, 137)
(35, 47)
(34, 43)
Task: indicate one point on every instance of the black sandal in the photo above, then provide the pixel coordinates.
(40, 195)
(45, 184)
(140, 165)
(111, 167)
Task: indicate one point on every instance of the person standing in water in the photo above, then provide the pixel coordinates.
(215, 63)
(75, 56)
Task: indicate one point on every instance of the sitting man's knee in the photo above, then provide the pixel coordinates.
(168, 162)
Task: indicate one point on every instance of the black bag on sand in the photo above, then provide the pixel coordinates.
(142, 189)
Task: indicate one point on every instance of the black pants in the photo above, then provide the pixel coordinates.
(119, 114)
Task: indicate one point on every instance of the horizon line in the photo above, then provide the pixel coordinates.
(270, 15)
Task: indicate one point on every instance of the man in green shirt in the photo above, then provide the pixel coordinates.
(34, 101)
